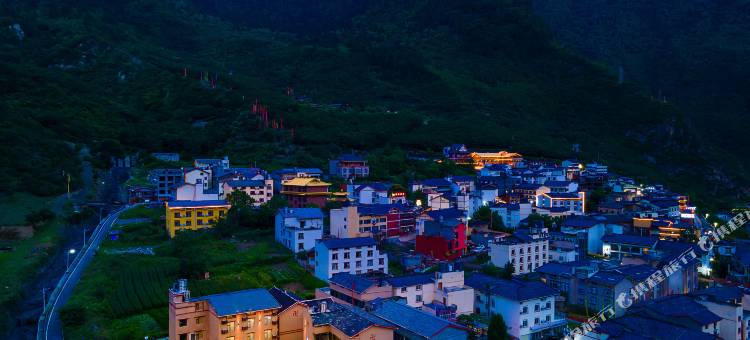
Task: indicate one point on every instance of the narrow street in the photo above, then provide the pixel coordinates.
(29, 308)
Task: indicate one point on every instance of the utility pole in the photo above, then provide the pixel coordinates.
(44, 298)
(84, 236)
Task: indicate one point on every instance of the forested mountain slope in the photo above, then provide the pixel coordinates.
(148, 75)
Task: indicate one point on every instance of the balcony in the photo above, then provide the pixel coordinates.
(548, 325)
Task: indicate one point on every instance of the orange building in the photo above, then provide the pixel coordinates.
(481, 159)
(303, 191)
(273, 314)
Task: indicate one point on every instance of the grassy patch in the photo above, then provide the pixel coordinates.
(126, 294)
(143, 212)
(22, 259)
(16, 206)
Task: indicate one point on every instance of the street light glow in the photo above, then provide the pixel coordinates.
(72, 251)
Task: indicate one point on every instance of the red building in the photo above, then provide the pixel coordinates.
(399, 219)
(445, 240)
(304, 191)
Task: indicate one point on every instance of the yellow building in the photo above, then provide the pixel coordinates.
(193, 215)
(481, 159)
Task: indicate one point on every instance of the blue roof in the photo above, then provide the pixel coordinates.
(680, 308)
(377, 186)
(246, 183)
(349, 320)
(301, 213)
(285, 298)
(357, 283)
(606, 278)
(434, 182)
(635, 327)
(555, 268)
(196, 204)
(336, 243)
(416, 321)
(635, 240)
(446, 214)
(528, 186)
(516, 290)
(410, 280)
(557, 183)
(380, 209)
(562, 194)
(582, 221)
(242, 301)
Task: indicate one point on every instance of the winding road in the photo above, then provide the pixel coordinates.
(50, 326)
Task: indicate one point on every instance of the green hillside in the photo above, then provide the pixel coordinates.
(415, 75)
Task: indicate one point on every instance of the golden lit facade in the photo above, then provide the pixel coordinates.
(193, 215)
(481, 159)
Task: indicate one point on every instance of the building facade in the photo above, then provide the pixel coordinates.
(349, 255)
(303, 191)
(299, 229)
(523, 250)
(193, 215)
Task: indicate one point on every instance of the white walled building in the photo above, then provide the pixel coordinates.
(527, 307)
(445, 287)
(299, 228)
(356, 255)
(261, 191)
(524, 250)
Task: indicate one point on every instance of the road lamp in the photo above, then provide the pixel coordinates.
(67, 261)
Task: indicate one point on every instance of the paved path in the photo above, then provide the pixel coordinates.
(50, 326)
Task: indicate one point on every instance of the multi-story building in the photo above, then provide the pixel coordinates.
(348, 255)
(350, 166)
(676, 317)
(164, 180)
(618, 246)
(480, 159)
(299, 228)
(443, 239)
(389, 220)
(457, 153)
(571, 203)
(370, 193)
(246, 314)
(525, 251)
(193, 215)
(442, 293)
(413, 323)
(303, 191)
(261, 191)
(273, 314)
(525, 192)
(528, 307)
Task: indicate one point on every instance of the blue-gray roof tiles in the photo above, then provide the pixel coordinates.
(357, 283)
(635, 240)
(349, 320)
(416, 321)
(242, 301)
(246, 183)
(336, 243)
(302, 213)
(516, 290)
(410, 280)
